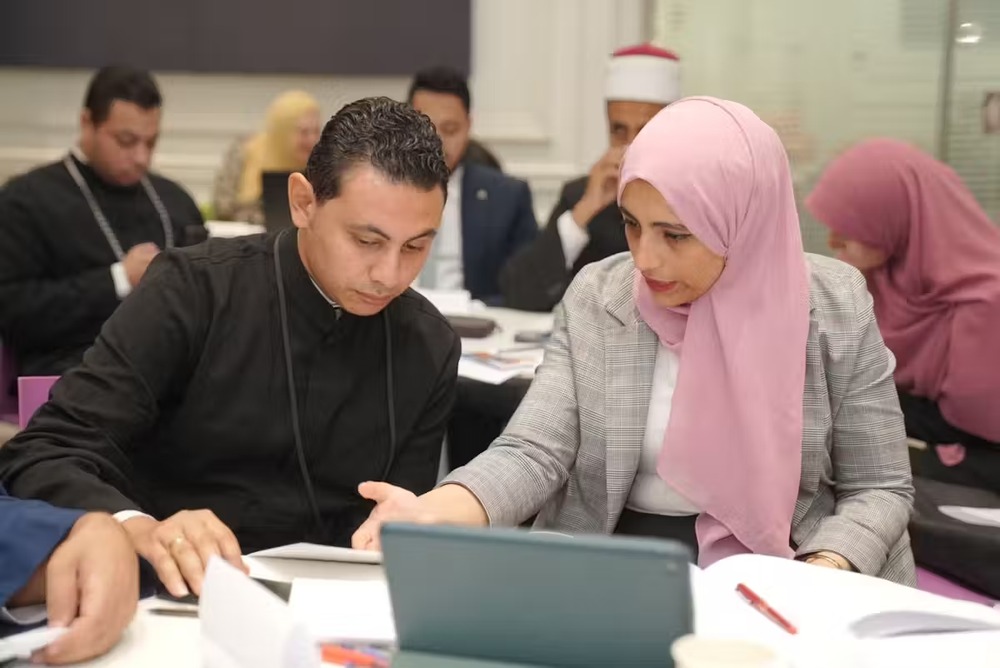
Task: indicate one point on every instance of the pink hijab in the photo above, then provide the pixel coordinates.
(734, 442)
(937, 299)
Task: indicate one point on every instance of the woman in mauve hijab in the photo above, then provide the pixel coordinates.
(714, 385)
(931, 256)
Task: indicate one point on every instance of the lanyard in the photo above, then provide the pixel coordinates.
(102, 221)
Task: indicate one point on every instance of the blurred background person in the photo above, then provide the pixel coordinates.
(932, 260)
(291, 130)
(488, 215)
(585, 225)
(77, 235)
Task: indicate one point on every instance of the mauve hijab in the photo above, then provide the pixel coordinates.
(733, 445)
(937, 298)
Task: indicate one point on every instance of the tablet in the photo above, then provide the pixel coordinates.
(510, 595)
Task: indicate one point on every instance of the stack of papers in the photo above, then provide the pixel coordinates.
(314, 552)
(499, 367)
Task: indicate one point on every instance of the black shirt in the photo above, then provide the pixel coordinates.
(56, 288)
(536, 278)
(182, 403)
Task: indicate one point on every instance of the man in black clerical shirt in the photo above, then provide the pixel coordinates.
(77, 235)
(180, 419)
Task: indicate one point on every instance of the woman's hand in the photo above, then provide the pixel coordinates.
(448, 504)
(828, 559)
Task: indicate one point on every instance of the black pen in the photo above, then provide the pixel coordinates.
(175, 612)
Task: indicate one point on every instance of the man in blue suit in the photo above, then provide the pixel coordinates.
(488, 215)
(81, 565)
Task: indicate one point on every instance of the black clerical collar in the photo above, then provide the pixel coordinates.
(303, 291)
(330, 300)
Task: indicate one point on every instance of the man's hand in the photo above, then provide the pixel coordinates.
(392, 504)
(180, 546)
(602, 187)
(92, 589)
(137, 260)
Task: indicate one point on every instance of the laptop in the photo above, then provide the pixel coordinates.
(274, 196)
(483, 597)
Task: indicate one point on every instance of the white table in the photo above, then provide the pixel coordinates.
(172, 642)
(156, 641)
(509, 323)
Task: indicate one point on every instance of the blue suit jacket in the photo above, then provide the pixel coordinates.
(497, 219)
(29, 531)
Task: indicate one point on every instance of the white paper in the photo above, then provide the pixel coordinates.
(794, 588)
(245, 625)
(473, 369)
(894, 623)
(227, 229)
(314, 552)
(968, 650)
(21, 646)
(344, 610)
(449, 302)
(984, 517)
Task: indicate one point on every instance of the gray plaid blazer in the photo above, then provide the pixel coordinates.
(571, 451)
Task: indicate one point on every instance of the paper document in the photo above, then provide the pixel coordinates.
(499, 367)
(22, 645)
(862, 606)
(984, 517)
(314, 552)
(244, 625)
(344, 610)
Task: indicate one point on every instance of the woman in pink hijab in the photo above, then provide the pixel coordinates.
(714, 385)
(932, 260)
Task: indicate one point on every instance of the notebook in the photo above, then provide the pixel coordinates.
(824, 600)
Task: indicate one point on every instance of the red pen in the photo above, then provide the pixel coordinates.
(763, 608)
(347, 656)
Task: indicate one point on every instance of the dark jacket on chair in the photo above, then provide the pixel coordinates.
(497, 220)
(536, 278)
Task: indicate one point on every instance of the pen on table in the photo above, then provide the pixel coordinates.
(763, 608)
(347, 656)
(175, 612)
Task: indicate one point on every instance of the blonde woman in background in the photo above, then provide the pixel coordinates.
(290, 132)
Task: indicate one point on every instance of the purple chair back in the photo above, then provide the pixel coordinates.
(32, 392)
(934, 583)
(8, 374)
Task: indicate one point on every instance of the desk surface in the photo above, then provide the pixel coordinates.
(509, 323)
(170, 642)
(154, 641)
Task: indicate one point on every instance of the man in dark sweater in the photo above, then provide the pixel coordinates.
(585, 225)
(238, 398)
(77, 235)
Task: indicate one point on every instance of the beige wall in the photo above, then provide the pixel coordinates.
(538, 68)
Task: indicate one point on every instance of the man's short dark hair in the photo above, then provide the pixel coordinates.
(120, 83)
(391, 136)
(442, 80)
